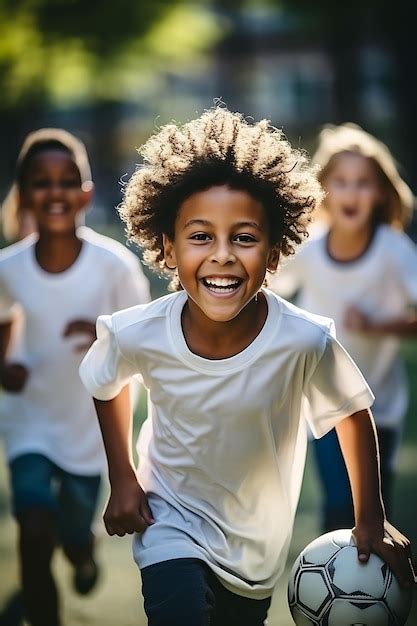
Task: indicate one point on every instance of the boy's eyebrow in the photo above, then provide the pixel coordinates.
(252, 224)
(196, 222)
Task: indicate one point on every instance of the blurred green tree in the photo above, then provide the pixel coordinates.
(64, 50)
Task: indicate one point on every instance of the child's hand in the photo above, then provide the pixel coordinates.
(13, 376)
(81, 327)
(391, 545)
(127, 510)
(355, 320)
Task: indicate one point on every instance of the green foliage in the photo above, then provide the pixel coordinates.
(104, 27)
(72, 50)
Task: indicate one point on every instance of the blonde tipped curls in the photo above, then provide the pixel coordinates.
(219, 147)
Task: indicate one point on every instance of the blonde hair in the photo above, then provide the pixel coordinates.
(351, 138)
(47, 137)
(219, 147)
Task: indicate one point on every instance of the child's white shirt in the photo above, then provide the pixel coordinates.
(221, 455)
(54, 415)
(381, 283)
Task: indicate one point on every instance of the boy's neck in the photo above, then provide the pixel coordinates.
(56, 253)
(343, 245)
(221, 340)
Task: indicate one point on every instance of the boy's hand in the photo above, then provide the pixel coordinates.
(81, 327)
(391, 545)
(356, 321)
(13, 376)
(127, 510)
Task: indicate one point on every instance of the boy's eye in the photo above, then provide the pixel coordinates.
(365, 184)
(200, 237)
(70, 184)
(244, 238)
(45, 183)
(338, 182)
(41, 183)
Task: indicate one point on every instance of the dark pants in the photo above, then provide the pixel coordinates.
(52, 507)
(337, 509)
(185, 592)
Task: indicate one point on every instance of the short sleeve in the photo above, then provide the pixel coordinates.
(104, 370)
(405, 260)
(335, 389)
(131, 287)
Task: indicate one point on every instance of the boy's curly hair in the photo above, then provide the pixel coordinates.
(219, 147)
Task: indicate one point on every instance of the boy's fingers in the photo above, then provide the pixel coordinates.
(79, 326)
(146, 513)
(83, 347)
(396, 535)
(364, 550)
(137, 523)
(112, 529)
(398, 561)
(134, 524)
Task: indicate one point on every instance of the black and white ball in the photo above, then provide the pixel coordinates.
(328, 586)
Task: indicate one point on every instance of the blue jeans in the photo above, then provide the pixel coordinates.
(37, 483)
(185, 592)
(51, 507)
(337, 508)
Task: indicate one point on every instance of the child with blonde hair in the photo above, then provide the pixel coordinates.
(233, 371)
(362, 272)
(53, 286)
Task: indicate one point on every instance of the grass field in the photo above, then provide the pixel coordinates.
(117, 599)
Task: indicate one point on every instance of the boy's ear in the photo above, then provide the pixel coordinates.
(273, 259)
(87, 190)
(169, 252)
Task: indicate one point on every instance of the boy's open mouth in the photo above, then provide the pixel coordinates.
(349, 211)
(222, 284)
(56, 209)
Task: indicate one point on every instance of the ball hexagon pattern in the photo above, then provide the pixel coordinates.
(328, 586)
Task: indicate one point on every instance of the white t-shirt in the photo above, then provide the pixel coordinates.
(222, 452)
(54, 414)
(381, 283)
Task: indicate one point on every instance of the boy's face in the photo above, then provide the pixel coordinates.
(221, 249)
(52, 192)
(353, 192)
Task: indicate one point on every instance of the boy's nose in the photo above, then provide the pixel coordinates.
(223, 254)
(56, 190)
(349, 193)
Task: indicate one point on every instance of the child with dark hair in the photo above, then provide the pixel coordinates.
(53, 285)
(233, 372)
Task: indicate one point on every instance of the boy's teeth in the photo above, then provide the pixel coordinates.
(222, 282)
(56, 209)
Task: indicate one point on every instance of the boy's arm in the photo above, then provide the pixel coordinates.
(127, 510)
(12, 375)
(358, 441)
(405, 326)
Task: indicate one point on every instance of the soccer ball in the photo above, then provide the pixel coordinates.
(328, 586)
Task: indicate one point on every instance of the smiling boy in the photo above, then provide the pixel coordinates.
(53, 285)
(233, 372)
